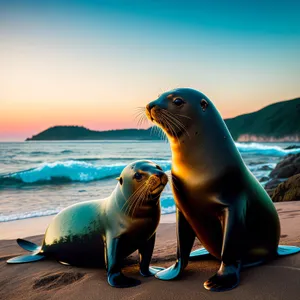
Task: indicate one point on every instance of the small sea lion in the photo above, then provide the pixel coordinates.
(217, 197)
(120, 224)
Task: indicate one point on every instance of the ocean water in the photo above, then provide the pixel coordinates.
(42, 178)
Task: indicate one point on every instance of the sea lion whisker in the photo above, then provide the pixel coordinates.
(138, 113)
(183, 116)
(138, 200)
(152, 130)
(139, 116)
(161, 133)
(178, 125)
(173, 116)
(141, 120)
(145, 119)
(146, 196)
(166, 124)
(140, 108)
(130, 199)
(170, 126)
(155, 130)
(176, 122)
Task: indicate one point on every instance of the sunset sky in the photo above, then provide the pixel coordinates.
(92, 62)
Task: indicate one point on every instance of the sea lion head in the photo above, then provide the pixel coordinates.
(176, 111)
(142, 182)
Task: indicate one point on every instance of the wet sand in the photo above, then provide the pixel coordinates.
(279, 279)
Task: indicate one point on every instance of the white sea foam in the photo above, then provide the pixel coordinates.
(28, 215)
(268, 150)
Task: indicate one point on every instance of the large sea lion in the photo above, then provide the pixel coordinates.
(120, 224)
(217, 197)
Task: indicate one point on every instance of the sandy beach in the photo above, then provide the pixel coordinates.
(48, 279)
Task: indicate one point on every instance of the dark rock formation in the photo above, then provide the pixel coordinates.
(288, 167)
(285, 182)
(265, 168)
(288, 190)
(264, 179)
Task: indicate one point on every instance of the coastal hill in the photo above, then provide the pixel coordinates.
(81, 133)
(276, 122)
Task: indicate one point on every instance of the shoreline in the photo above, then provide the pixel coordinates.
(38, 225)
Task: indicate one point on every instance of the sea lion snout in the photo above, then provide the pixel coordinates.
(157, 182)
(149, 107)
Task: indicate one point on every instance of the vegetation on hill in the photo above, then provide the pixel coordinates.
(82, 133)
(279, 120)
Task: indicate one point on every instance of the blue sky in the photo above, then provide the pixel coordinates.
(75, 62)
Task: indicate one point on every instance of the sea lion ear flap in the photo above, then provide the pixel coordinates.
(203, 104)
(120, 179)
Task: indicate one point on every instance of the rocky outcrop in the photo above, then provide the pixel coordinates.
(285, 180)
(288, 190)
(288, 167)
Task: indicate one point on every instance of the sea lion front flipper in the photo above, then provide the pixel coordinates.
(185, 241)
(115, 277)
(228, 276)
(145, 252)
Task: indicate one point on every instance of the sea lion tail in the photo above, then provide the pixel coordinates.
(283, 250)
(29, 246)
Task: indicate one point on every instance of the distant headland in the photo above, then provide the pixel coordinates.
(276, 122)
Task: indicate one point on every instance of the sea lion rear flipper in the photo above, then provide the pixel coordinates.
(283, 250)
(115, 277)
(185, 241)
(29, 246)
(199, 253)
(25, 259)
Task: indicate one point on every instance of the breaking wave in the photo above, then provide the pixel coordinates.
(67, 171)
(266, 150)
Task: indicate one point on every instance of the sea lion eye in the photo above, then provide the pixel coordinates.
(204, 104)
(178, 101)
(138, 176)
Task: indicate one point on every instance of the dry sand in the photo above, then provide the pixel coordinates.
(279, 279)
